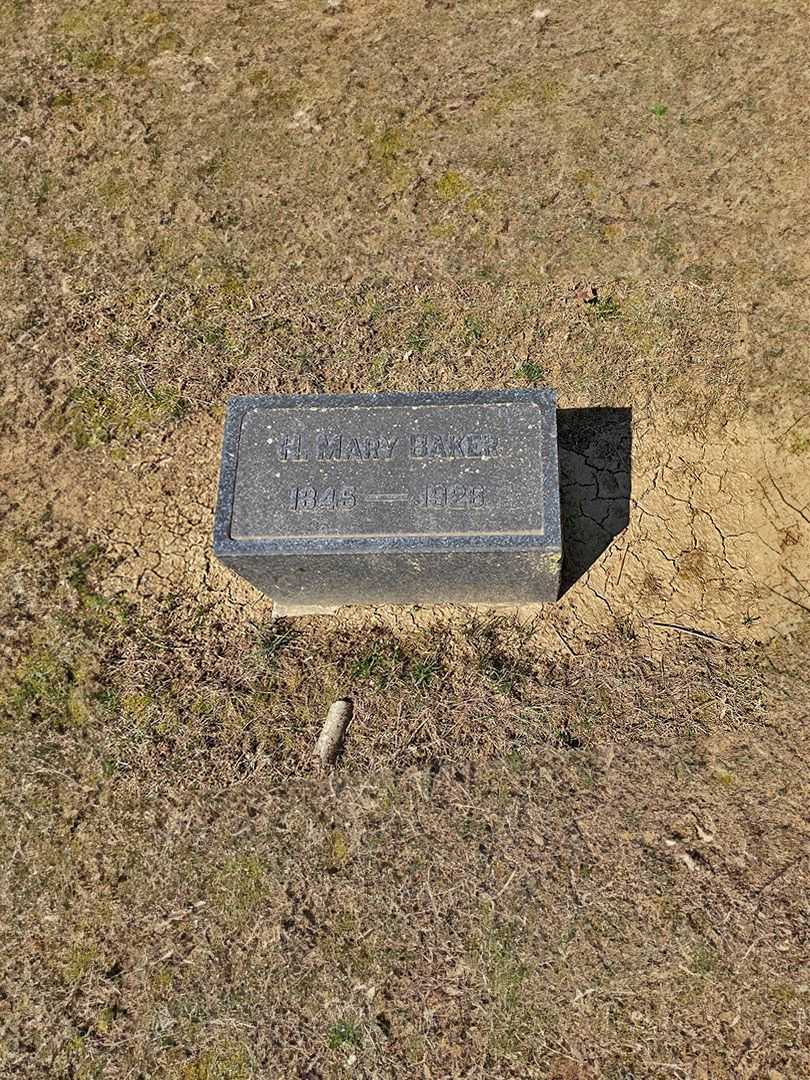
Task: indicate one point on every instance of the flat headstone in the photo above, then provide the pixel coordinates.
(392, 498)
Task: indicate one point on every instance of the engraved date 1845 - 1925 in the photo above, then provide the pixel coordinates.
(431, 496)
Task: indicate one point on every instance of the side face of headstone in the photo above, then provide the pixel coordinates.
(393, 498)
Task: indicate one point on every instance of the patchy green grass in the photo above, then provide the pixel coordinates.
(228, 1061)
(451, 185)
(389, 662)
(338, 849)
(93, 418)
(500, 671)
(49, 688)
(275, 639)
(344, 1033)
(504, 967)
(79, 962)
(389, 153)
(240, 884)
(382, 663)
(424, 670)
(474, 328)
(422, 333)
(606, 309)
(531, 372)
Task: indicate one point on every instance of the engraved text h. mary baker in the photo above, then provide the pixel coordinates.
(328, 446)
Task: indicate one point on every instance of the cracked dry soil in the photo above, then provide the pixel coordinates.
(712, 534)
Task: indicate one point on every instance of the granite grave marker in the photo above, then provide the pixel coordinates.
(392, 498)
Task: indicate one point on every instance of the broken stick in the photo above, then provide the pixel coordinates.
(333, 731)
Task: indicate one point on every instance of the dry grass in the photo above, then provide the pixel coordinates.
(558, 911)
(569, 844)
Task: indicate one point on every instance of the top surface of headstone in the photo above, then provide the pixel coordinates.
(382, 466)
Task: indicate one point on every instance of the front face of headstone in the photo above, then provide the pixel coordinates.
(405, 498)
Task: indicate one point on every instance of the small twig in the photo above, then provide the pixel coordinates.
(704, 634)
(562, 639)
(778, 874)
(144, 387)
(333, 731)
(621, 568)
(798, 420)
(504, 887)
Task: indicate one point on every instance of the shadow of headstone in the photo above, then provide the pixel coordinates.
(595, 456)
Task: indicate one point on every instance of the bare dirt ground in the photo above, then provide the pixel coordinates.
(569, 842)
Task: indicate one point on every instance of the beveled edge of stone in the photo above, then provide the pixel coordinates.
(522, 611)
(229, 550)
(282, 610)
